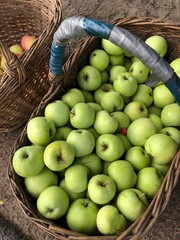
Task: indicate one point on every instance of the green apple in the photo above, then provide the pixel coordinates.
(36, 184)
(162, 96)
(92, 162)
(170, 115)
(127, 144)
(99, 59)
(110, 221)
(154, 109)
(89, 78)
(53, 202)
(111, 48)
(135, 110)
(97, 107)
(105, 76)
(175, 64)
(163, 169)
(40, 130)
(132, 203)
(76, 178)
(105, 123)
(82, 141)
(140, 130)
(134, 59)
(72, 195)
(138, 157)
(123, 119)
(158, 43)
(88, 96)
(115, 71)
(161, 147)
(28, 161)
(109, 147)
(82, 115)
(116, 60)
(104, 88)
(112, 101)
(81, 216)
(105, 167)
(101, 189)
(59, 155)
(125, 84)
(58, 112)
(156, 120)
(62, 133)
(139, 71)
(149, 181)
(143, 94)
(72, 97)
(123, 174)
(172, 132)
(93, 132)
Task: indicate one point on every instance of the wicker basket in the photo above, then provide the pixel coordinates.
(142, 27)
(25, 79)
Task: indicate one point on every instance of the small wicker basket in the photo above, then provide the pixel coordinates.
(25, 79)
(143, 28)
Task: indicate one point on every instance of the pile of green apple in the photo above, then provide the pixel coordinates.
(100, 152)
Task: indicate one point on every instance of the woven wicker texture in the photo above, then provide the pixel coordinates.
(143, 28)
(25, 79)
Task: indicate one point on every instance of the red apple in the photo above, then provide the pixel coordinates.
(27, 41)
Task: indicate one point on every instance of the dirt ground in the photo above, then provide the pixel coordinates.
(14, 224)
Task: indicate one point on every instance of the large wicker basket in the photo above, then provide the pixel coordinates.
(142, 27)
(25, 79)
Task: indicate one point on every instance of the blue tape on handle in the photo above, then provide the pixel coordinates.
(97, 28)
(173, 85)
(56, 59)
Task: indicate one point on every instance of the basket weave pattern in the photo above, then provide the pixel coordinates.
(143, 28)
(25, 79)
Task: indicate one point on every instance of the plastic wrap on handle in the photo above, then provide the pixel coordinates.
(79, 26)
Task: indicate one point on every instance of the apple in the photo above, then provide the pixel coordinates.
(123, 174)
(101, 189)
(110, 221)
(135, 110)
(89, 78)
(3, 62)
(88, 96)
(112, 101)
(104, 76)
(143, 94)
(62, 133)
(53, 202)
(156, 120)
(127, 144)
(82, 115)
(132, 203)
(170, 115)
(109, 147)
(97, 107)
(58, 112)
(139, 71)
(163, 169)
(93, 132)
(149, 181)
(40, 130)
(99, 59)
(111, 48)
(16, 49)
(36, 184)
(115, 71)
(116, 60)
(82, 140)
(72, 97)
(158, 43)
(161, 147)
(92, 162)
(173, 132)
(123, 119)
(138, 157)
(81, 216)
(59, 155)
(154, 109)
(76, 178)
(134, 59)
(140, 130)
(125, 84)
(105, 123)
(175, 64)
(72, 195)
(104, 88)
(28, 161)
(27, 41)
(162, 96)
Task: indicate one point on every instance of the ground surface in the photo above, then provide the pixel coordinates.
(13, 223)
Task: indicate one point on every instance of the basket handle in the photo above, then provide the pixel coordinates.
(80, 26)
(13, 65)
